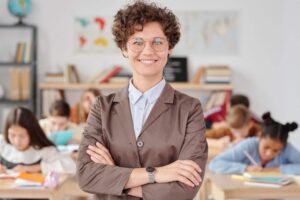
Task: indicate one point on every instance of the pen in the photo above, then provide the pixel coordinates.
(250, 158)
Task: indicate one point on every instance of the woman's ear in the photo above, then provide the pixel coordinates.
(125, 53)
(170, 52)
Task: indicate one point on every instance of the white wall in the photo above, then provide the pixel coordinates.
(266, 68)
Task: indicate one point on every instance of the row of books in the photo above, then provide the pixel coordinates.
(213, 74)
(19, 84)
(115, 74)
(23, 52)
(69, 75)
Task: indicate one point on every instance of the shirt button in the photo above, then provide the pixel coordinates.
(140, 144)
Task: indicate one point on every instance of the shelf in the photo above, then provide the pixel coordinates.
(17, 26)
(14, 102)
(4, 64)
(108, 86)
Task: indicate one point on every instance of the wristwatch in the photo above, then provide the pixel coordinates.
(151, 171)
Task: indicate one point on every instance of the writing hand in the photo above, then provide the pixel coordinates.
(254, 168)
(271, 169)
(185, 171)
(20, 168)
(99, 154)
(2, 169)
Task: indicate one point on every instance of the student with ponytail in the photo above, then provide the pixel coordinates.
(271, 151)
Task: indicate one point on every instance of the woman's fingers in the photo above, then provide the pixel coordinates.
(189, 175)
(192, 164)
(96, 160)
(186, 181)
(104, 149)
(100, 154)
(192, 171)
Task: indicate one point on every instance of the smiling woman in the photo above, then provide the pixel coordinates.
(147, 140)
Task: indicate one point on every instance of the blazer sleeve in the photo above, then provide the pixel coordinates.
(94, 177)
(292, 164)
(194, 148)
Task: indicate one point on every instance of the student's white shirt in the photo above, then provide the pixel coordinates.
(51, 159)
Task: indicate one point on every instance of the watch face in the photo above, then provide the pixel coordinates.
(150, 169)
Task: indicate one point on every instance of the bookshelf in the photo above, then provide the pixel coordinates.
(113, 86)
(182, 86)
(30, 64)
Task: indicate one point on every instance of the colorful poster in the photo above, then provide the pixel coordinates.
(93, 34)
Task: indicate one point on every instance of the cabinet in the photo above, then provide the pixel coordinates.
(10, 38)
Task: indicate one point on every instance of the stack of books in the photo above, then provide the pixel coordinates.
(217, 75)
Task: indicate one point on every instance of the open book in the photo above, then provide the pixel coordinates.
(267, 179)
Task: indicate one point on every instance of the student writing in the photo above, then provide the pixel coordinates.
(271, 151)
(25, 147)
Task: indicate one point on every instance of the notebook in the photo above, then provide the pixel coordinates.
(30, 180)
(61, 137)
(267, 179)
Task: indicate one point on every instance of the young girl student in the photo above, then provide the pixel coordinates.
(268, 152)
(24, 146)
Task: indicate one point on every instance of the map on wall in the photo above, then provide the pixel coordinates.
(93, 34)
(209, 32)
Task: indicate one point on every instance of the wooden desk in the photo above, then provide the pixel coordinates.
(9, 190)
(71, 188)
(224, 187)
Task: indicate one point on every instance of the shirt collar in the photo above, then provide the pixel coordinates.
(152, 94)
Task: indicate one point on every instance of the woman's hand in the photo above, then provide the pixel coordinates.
(254, 168)
(136, 192)
(99, 154)
(185, 171)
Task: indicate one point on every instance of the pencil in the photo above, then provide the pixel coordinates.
(250, 158)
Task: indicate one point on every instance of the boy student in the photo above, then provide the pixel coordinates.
(59, 121)
(270, 152)
(238, 127)
(238, 99)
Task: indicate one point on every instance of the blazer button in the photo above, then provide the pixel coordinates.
(140, 144)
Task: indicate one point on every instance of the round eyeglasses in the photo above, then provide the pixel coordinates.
(157, 44)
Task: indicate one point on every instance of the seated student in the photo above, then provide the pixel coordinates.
(237, 99)
(80, 111)
(238, 127)
(59, 120)
(24, 146)
(269, 152)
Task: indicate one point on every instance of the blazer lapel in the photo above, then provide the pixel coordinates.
(160, 106)
(122, 108)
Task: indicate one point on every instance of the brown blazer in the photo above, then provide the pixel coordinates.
(174, 130)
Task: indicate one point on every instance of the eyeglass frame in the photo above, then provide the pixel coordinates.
(144, 44)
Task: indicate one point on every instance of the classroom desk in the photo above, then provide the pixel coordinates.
(71, 188)
(9, 190)
(224, 187)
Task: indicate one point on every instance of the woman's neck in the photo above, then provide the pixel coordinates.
(144, 84)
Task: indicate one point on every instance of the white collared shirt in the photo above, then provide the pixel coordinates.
(141, 104)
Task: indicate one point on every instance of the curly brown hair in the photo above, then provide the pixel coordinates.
(133, 18)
